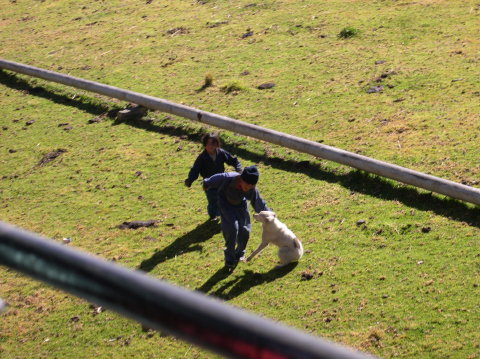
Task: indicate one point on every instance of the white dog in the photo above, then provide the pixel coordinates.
(275, 232)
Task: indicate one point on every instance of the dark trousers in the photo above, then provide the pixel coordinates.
(236, 231)
(212, 206)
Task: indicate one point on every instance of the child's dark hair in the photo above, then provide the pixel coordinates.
(213, 136)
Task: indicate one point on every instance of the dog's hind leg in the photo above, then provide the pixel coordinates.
(287, 255)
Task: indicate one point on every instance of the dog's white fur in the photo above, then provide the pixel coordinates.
(275, 232)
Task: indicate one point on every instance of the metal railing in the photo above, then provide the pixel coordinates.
(191, 316)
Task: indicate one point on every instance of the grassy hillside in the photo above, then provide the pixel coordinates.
(391, 270)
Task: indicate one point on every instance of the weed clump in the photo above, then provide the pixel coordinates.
(348, 32)
(233, 87)
(208, 80)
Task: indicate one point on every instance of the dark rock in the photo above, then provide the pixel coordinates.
(267, 85)
(385, 75)
(216, 24)
(137, 224)
(247, 34)
(426, 229)
(177, 31)
(132, 112)
(50, 156)
(305, 275)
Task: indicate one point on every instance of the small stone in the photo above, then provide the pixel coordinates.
(306, 275)
(375, 89)
(247, 34)
(66, 240)
(267, 85)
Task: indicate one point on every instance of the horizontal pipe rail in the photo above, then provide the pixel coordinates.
(384, 169)
(192, 316)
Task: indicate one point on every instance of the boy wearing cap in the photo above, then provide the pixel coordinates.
(234, 190)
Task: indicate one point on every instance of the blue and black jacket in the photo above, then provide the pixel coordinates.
(206, 167)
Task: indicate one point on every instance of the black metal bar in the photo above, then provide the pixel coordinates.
(192, 316)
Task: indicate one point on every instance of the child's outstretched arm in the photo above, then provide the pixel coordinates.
(258, 203)
(193, 173)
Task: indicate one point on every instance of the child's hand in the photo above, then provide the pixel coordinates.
(187, 183)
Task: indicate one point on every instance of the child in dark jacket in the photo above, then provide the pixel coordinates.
(211, 161)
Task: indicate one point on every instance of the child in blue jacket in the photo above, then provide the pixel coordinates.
(211, 161)
(234, 192)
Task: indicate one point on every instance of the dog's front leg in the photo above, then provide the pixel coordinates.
(256, 251)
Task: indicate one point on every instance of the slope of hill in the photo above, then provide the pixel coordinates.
(391, 270)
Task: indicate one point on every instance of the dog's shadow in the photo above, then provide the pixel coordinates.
(244, 283)
(189, 242)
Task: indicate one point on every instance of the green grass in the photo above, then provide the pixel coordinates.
(348, 32)
(403, 284)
